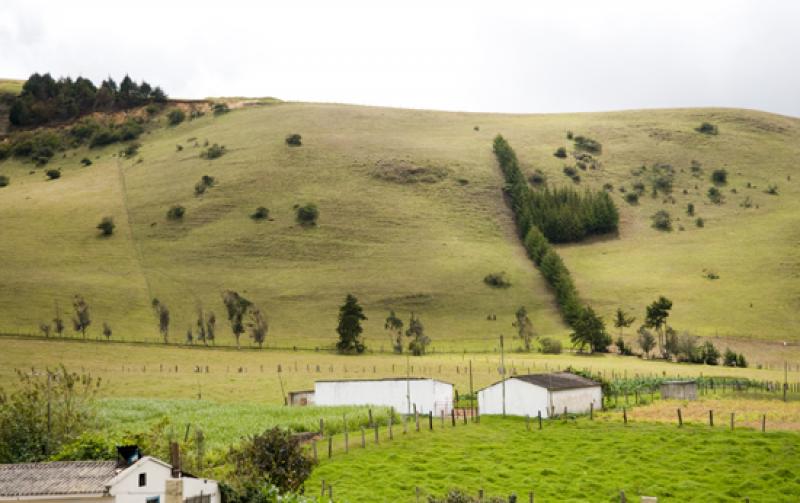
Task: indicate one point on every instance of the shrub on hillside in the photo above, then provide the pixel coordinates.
(106, 226)
(661, 177)
(221, 108)
(53, 174)
(662, 220)
(261, 213)
(294, 140)
(707, 128)
(560, 152)
(715, 196)
(588, 144)
(570, 171)
(550, 346)
(772, 190)
(176, 116)
(206, 182)
(307, 215)
(690, 209)
(497, 280)
(719, 176)
(632, 198)
(699, 222)
(130, 150)
(86, 161)
(213, 152)
(538, 178)
(276, 456)
(176, 212)
(4, 181)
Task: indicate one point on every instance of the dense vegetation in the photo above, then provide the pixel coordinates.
(563, 214)
(44, 100)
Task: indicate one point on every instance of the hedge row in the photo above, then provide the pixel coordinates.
(536, 243)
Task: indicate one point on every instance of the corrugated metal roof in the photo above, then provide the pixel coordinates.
(56, 478)
(558, 380)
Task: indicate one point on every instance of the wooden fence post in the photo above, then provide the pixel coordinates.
(528, 422)
(377, 441)
(539, 415)
(363, 438)
(453, 416)
(370, 416)
(323, 488)
(330, 446)
(622, 498)
(442, 418)
(732, 420)
(330, 492)
(763, 423)
(346, 443)
(625, 421)
(321, 428)
(680, 418)
(530, 497)
(430, 420)
(711, 418)
(591, 411)
(391, 420)
(464, 411)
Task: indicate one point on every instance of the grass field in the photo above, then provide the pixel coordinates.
(578, 460)
(421, 247)
(10, 86)
(148, 371)
(224, 424)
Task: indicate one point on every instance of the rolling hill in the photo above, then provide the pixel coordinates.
(412, 218)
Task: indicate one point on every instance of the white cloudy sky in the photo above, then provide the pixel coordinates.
(527, 56)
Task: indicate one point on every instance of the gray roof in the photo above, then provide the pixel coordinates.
(56, 478)
(385, 379)
(558, 380)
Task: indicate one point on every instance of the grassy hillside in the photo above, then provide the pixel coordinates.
(412, 219)
(10, 86)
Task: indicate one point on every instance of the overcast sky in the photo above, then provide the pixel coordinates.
(532, 56)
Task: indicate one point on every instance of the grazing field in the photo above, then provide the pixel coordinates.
(10, 86)
(224, 424)
(577, 460)
(411, 218)
(148, 371)
(748, 412)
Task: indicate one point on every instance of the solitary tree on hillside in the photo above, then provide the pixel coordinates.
(395, 327)
(201, 325)
(107, 331)
(351, 315)
(45, 328)
(237, 307)
(419, 341)
(82, 318)
(189, 336)
(656, 317)
(524, 327)
(646, 341)
(258, 326)
(211, 327)
(590, 330)
(623, 320)
(162, 314)
(58, 322)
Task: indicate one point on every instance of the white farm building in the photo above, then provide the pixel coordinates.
(147, 480)
(428, 395)
(548, 394)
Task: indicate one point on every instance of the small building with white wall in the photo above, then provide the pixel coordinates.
(548, 394)
(145, 480)
(403, 394)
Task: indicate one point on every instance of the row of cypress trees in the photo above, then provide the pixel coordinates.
(535, 241)
(562, 214)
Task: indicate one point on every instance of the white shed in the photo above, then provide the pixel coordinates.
(429, 395)
(528, 395)
(147, 480)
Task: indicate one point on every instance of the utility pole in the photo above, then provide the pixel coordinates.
(785, 378)
(49, 412)
(471, 393)
(408, 383)
(503, 373)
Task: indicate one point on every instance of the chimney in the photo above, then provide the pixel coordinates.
(175, 459)
(128, 454)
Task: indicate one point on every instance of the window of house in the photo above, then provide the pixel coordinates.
(142, 479)
(153, 499)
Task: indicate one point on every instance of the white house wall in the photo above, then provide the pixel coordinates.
(428, 395)
(198, 487)
(522, 399)
(577, 400)
(127, 490)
